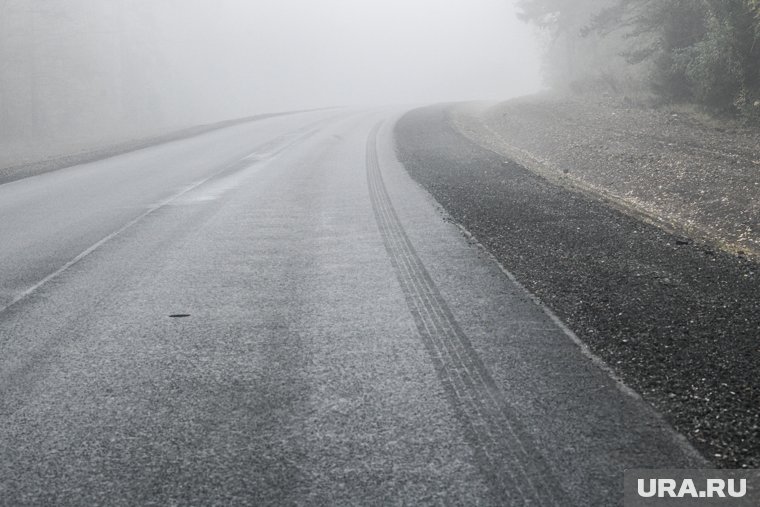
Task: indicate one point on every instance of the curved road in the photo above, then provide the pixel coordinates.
(274, 313)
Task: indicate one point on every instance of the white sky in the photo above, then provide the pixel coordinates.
(309, 53)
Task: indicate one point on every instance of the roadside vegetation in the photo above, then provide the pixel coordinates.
(705, 52)
(639, 226)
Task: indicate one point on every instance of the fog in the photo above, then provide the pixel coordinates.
(81, 72)
(296, 53)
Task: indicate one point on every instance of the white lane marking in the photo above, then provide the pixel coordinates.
(253, 158)
(26, 293)
(216, 189)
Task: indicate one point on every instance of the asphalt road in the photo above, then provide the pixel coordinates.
(341, 343)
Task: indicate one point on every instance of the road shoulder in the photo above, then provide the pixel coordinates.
(671, 167)
(573, 413)
(678, 322)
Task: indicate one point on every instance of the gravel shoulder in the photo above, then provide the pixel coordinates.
(672, 167)
(677, 319)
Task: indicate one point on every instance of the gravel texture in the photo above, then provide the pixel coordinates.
(674, 167)
(676, 318)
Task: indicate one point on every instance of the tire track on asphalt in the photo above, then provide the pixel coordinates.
(508, 460)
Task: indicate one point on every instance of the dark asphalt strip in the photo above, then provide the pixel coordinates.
(678, 321)
(507, 458)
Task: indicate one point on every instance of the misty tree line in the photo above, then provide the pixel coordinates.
(80, 74)
(701, 51)
(75, 66)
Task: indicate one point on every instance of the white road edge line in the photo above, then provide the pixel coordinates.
(584, 348)
(250, 157)
(102, 242)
